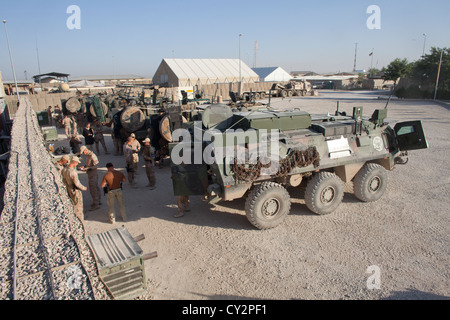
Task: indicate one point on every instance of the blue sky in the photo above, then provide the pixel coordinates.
(132, 37)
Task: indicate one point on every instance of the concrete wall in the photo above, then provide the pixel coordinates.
(40, 101)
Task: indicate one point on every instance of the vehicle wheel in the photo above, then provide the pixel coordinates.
(290, 94)
(324, 193)
(257, 96)
(284, 93)
(262, 95)
(267, 205)
(370, 182)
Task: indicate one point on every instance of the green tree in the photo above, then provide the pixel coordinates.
(373, 72)
(425, 70)
(399, 68)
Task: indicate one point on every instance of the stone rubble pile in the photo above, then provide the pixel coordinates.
(42, 243)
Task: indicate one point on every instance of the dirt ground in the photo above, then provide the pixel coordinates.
(215, 253)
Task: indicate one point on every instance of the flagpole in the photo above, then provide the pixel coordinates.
(371, 62)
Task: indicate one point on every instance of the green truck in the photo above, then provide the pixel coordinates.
(260, 154)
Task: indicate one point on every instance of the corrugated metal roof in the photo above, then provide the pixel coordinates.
(214, 70)
(264, 72)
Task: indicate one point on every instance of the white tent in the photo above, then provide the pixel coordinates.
(191, 72)
(85, 84)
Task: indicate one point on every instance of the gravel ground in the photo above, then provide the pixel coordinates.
(214, 252)
(59, 248)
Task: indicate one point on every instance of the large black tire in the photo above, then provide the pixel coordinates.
(324, 193)
(370, 182)
(267, 205)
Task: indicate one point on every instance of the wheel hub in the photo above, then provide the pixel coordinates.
(271, 207)
(328, 194)
(374, 184)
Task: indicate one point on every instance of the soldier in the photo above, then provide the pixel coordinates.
(113, 181)
(116, 134)
(50, 119)
(98, 137)
(80, 121)
(148, 155)
(67, 124)
(75, 125)
(62, 163)
(182, 200)
(74, 187)
(91, 169)
(183, 206)
(131, 149)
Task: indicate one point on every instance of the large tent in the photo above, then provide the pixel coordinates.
(191, 72)
(86, 84)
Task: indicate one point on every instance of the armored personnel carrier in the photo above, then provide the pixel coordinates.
(261, 154)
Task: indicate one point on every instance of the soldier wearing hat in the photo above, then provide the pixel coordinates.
(149, 158)
(62, 163)
(91, 169)
(131, 149)
(74, 187)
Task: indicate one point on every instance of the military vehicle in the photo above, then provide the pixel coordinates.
(292, 88)
(93, 107)
(319, 152)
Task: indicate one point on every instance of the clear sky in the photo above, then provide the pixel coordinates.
(132, 37)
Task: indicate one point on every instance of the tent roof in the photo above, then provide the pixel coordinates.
(264, 72)
(215, 69)
(85, 83)
(107, 77)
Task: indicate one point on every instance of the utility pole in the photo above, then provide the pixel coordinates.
(240, 74)
(354, 63)
(256, 50)
(424, 40)
(437, 78)
(12, 63)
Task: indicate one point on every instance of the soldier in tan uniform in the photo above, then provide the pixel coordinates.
(75, 125)
(91, 169)
(74, 187)
(98, 137)
(61, 164)
(183, 206)
(131, 149)
(148, 155)
(67, 122)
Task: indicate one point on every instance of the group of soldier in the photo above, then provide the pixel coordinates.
(113, 179)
